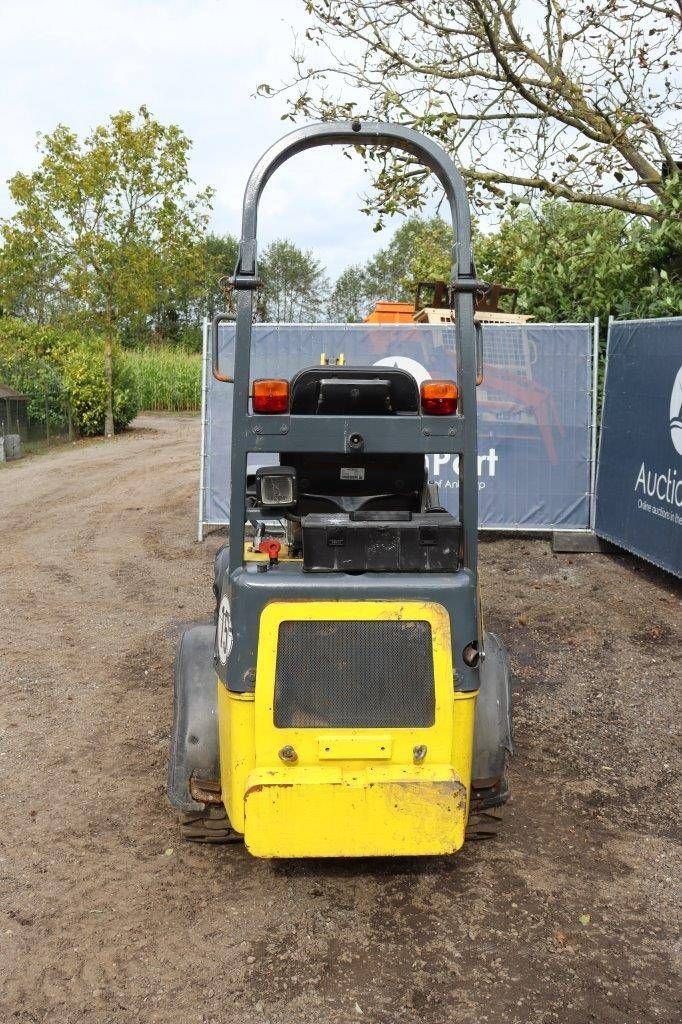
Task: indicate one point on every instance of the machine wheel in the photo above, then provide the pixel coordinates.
(208, 826)
(486, 810)
(484, 823)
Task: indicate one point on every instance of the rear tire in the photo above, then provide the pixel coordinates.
(486, 810)
(485, 823)
(208, 826)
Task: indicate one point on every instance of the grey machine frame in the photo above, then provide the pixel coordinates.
(249, 590)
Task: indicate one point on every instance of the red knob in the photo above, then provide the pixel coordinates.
(270, 547)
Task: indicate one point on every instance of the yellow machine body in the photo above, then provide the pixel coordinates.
(317, 792)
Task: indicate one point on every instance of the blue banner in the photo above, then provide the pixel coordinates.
(534, 410)
(639, 478)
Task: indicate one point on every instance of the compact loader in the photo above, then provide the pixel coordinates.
(347, 700)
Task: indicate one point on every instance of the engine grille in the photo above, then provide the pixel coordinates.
(359, 674)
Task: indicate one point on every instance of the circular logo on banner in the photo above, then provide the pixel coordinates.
(419, 372)
(676, 413)
(224, 631)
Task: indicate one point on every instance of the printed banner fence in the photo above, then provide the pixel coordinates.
(535, 411)
(639, 478)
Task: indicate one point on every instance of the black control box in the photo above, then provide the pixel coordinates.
(381, 542)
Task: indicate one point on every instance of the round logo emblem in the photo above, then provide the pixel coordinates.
(676, 413)
(419, 372)
(224, 631)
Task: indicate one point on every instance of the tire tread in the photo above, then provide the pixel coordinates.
(208, 826)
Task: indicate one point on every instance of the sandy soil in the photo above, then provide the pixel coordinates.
(107, 917)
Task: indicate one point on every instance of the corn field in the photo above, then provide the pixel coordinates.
(166, 379)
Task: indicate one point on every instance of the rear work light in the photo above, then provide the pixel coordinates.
(276, 485)
(270, 396)
(439, 397)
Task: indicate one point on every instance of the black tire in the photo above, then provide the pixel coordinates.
(486, 810)
(208, 826)
(485, 823)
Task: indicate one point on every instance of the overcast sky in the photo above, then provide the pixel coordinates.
(193, 62)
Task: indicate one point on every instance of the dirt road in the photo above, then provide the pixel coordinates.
(107, 918)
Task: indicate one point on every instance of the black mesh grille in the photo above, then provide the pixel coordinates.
(354, 674)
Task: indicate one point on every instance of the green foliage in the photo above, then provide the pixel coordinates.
(294, 284)
(420, 250)
(112, 219)
(166, 378)
(177, 320)
(83, 369)
(62, 371)
(107, 233)
(577, 262)
(570, 263)
(26, 367)
(348, 302)
(220, 260)
(659, 248)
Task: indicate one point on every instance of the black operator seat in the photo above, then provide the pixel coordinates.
(330, 481)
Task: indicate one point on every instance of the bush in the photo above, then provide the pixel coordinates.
(83, 375)
(26, 367)
(166, 378)
(58, 369)
(41, 383)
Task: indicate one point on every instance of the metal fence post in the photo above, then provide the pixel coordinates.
(202, 456)
(598, 450)
(593, 433)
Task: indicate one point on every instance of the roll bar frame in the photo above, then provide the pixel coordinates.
(456, 435)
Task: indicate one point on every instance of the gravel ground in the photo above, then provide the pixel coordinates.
(106, 917)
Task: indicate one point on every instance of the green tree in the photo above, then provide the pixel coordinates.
(221, 253)
(569, 262)
(177, 318)
(574, 100)
(659, 252)
(420, 250)
(105, 230)
(294, 284)
(348, 302)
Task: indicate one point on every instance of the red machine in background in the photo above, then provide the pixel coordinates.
(509, 397)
